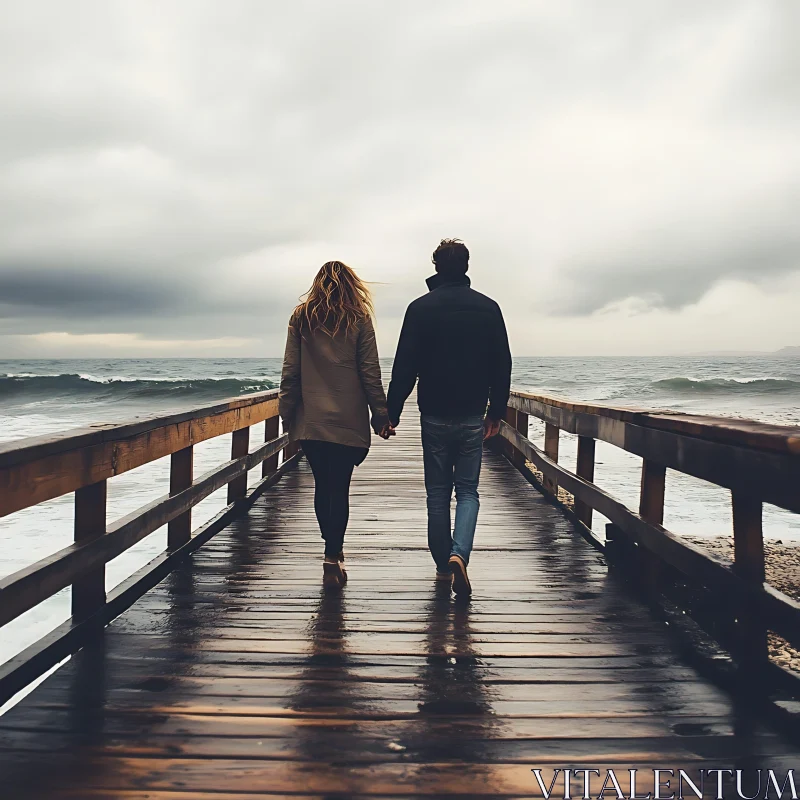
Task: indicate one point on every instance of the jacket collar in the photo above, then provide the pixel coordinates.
(437, 280)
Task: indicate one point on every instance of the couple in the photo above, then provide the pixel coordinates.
(453, 342)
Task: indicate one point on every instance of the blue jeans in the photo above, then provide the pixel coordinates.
(452, 450)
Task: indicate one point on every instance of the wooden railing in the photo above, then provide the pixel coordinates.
(81, 462)
(758, 463)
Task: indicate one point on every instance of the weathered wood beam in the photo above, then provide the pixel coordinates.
(39, 470)
(749, 564)
(291, 450)
(181, 475)
(33, 448)
(779, 612)
(89, 590)
(518, 458)
(240, 445)
(651, 509)
(767, 473)
(68, 638)
(511, 419)
(651, 494)
(585, 470)
(748, 537)
(271, 430)
(28, 587)
(723, 430)
(551, 433)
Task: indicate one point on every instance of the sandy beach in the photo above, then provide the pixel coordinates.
(783, 572)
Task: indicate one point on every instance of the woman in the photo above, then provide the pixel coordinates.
(331, 380)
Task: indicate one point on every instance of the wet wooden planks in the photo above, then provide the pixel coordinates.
(236, 677)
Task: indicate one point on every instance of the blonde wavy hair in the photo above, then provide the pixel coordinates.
(337, 300)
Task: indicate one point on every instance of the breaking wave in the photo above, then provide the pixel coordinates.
(762, 386)
(24, 386)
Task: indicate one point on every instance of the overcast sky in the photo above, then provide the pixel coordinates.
(172, 174)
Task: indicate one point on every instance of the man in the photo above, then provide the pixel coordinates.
(454, 341)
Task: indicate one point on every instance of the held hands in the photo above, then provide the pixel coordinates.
(387, 430)
(491, 427)
(382, 426)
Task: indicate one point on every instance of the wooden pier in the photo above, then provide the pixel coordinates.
(221, 670)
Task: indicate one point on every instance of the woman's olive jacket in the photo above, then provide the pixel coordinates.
(330, 384)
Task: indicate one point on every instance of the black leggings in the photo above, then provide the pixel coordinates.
(332, 465)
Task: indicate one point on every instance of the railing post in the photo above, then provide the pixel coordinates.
(240, 446)
(511, 419)
(585, 470)
(551, 451)
(651, 497)
(518, 457)
(269, 465)
(291, 447)
(89, 591)
(748, 548)
(181, 474)
(619, 547)
(651, 509)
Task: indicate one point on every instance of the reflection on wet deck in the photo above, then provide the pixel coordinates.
(237, 677)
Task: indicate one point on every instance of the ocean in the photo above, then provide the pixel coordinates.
(48, 396)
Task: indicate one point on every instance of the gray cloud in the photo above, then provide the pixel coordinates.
(674, 267)
(66, 293)
(115, 300)
(180, 170)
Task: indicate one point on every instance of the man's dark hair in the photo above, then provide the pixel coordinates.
(451, 257)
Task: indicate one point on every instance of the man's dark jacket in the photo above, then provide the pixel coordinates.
(454, 340)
